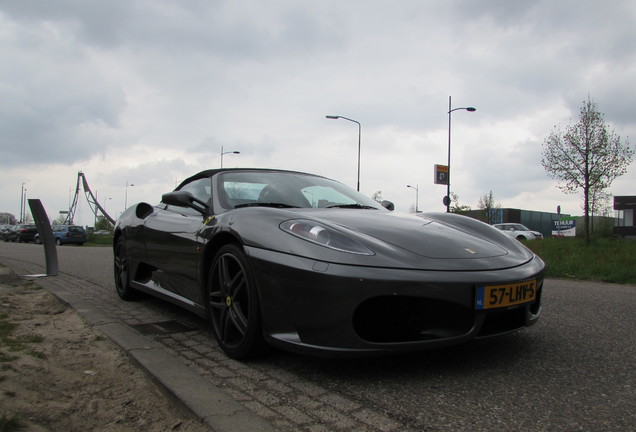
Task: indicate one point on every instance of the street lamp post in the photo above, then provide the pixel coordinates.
(447, 199)
(359, 140)
(228, 152)
(21, 204)
(417, 196)
(126, 197)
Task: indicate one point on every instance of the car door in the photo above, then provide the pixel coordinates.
(172, 242)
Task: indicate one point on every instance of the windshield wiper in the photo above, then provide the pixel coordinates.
(260, 204)
(353, 206)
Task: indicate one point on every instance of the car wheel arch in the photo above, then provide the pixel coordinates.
(210, 250)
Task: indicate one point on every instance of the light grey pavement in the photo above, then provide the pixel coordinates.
(573, 371)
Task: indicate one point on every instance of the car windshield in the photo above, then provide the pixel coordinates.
(288, 190)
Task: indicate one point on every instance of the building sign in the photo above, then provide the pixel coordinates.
(566, 227)
(441, 174)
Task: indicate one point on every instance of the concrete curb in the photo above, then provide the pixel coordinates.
(212, 405)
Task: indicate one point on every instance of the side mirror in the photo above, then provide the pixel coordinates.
(388, 205)
(184, 199)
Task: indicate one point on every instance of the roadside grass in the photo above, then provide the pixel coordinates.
(604, 259)
(100, 240)
(16, 344)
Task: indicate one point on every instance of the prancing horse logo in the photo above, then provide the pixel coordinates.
(470, 251)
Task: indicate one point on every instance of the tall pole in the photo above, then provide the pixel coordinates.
(21, 203)
(332, 117)
(359, 148)
(449, 153)
(447, 199)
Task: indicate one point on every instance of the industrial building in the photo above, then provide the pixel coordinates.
(625, 224)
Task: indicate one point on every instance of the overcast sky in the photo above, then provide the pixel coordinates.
(148, 92)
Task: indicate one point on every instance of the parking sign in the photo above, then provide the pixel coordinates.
(441, 174)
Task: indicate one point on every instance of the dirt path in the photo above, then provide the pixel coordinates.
(58, 373)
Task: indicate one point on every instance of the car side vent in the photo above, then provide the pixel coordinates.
(143, 210)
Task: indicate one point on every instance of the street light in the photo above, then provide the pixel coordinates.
(126, 197)
(417, 196)
(228, 152)
(359, 138)
(447, 199)
(105, 200)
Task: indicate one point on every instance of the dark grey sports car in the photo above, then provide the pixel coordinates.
(305, 263)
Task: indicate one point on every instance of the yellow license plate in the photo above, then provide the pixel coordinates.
(496, 296)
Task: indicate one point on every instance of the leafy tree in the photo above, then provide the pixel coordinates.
(456, 207)
(587, 156)
(103, 224)
(487, 204)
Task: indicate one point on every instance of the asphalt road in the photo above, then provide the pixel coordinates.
(573, 371)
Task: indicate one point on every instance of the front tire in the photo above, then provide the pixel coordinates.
(234, 306)
(122, 273)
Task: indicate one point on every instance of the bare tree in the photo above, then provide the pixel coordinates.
(487, 204)
(7, 219)
(587, 156)
(59, 220)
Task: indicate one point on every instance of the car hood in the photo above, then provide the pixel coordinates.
(422, 236)
(437, 242)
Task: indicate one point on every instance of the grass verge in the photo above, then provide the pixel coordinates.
(607, 259)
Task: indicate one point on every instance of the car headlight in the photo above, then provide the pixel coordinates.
(324, 236)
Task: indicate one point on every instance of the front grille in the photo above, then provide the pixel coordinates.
(503, 322)
(407, 319)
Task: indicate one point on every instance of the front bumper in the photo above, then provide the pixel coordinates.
(336, 310)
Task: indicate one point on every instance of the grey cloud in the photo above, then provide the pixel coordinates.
(221, 28)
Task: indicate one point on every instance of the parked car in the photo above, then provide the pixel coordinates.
(305, 263)
(69, 234)
(21, 233)
(4, 229)
(518, 231)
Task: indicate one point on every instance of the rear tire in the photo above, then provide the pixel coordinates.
(234, 306)
(122, 272)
